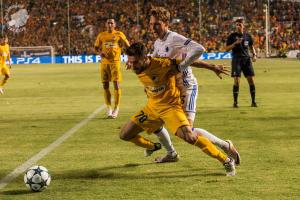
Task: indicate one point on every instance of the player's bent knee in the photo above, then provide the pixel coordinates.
(185, 133)
(122, 136)
(129, 131)
(190, 138)
(124, 133)
(158, 130)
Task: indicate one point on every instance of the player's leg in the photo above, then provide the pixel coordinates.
(6, 73)
(189, 102)
(177, 122)
(107, 99)
(236, 74)
(186, 133)
(142, 120)
(235, 90)
(117, 97)
(164, 138)
(189, 99)
(105, 78)
(226, 145)
(130, 133)
(252, 90)
(116, 77)
(249, 74)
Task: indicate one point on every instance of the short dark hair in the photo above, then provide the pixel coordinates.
(136, 49)
(108, 18)
(239, 20)
(160, 13)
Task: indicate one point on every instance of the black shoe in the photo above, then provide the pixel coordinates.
(253, 104)
(235, 105)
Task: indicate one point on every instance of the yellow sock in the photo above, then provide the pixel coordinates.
(142, 142)
(107, 97)
(4, 81)
(117, 96)
(207, 147)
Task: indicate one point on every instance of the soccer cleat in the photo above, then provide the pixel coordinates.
(115, 113)
(253, 104)
(230, 167)
(235, 105)
(169, 157)
(1, 91)
(109, 112)
(233, 153)
(149, 152)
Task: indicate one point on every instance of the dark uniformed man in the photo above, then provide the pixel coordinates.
(240, 42)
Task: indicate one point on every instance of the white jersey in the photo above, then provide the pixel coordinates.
(176, 46)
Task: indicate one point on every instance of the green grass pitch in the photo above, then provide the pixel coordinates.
(41, 102)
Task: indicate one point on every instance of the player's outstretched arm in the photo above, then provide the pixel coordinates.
(193, 53)
(218, 69)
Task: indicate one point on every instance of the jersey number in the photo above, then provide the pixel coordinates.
(182, 99)
(142, 117)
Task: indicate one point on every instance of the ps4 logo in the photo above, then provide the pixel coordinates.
(216, 56)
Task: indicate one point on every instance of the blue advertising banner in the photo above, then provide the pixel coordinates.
(94, 58)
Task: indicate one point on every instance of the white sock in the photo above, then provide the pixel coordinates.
(165, 140)
(214, 139)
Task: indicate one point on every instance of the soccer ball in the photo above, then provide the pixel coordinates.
(37, 178)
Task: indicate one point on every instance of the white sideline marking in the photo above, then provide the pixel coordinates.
(21, 169)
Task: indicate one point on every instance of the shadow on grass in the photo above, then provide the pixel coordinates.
(119, 172)
(15, 192)
(126, 171)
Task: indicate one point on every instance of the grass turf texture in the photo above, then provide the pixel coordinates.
(41, 102)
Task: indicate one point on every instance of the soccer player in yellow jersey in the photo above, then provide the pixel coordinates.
(173, 45)
(4, 55)
(109, 44)
(164, 104)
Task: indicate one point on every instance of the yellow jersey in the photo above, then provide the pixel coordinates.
(4, 52)
(159, 81)
(111, 44)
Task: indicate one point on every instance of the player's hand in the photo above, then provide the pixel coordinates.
(9, 66)
(221, 69)
(103, 54)
(254, 58)
(110, 55)
(127, 66)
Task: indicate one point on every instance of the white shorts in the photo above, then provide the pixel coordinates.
(189, 100)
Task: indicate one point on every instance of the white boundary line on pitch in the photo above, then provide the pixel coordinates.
(21, 169)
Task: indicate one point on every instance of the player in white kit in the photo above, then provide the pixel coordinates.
(173, 45)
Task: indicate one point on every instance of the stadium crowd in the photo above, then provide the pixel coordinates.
(48, 24)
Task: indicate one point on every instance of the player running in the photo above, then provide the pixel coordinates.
(173, 45)
(164, 104)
